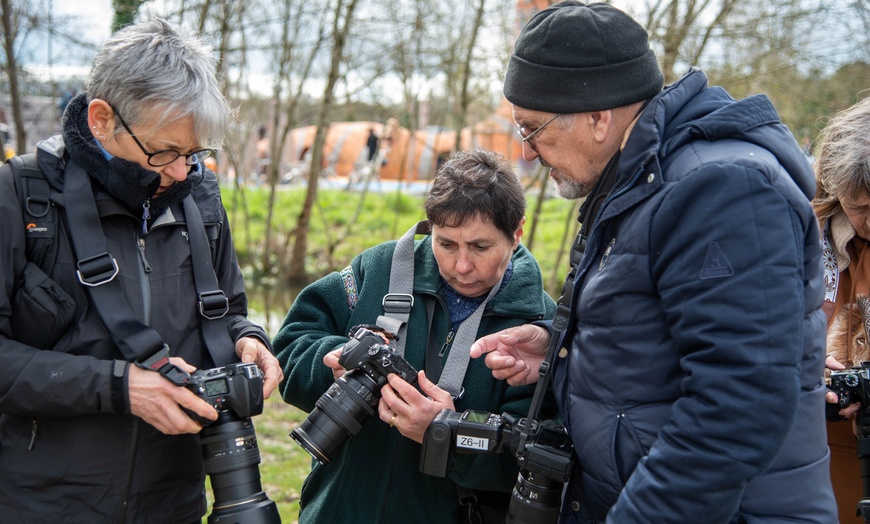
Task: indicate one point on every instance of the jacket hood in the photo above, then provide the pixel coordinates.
(692, 111)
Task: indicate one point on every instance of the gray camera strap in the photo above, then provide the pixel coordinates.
(400, 299)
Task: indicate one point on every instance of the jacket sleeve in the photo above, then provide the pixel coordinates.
(727, 252)
(35, 382)
(314, 326)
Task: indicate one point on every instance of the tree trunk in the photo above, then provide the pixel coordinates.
(9, 35)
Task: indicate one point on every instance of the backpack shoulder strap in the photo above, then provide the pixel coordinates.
(37, 210)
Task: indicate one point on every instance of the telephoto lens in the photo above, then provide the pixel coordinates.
(338, 415)
(535, 499)
(231, 457)
(351, 400)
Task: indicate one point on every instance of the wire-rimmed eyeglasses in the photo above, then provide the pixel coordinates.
(166, 156)
(527, 138)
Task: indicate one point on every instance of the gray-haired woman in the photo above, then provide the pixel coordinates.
(84, 435)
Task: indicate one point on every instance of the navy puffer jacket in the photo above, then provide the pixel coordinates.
(693, 388)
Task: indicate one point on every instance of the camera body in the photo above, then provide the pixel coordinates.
(349, 402)
(236, 387)
(851, 385)
(542, 449)
(367, 352)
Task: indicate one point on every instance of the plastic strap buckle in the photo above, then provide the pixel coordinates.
(398, 303)
(97, 270)
(160, 363)
(213, 304)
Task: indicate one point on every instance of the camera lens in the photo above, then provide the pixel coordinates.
(231, 458)
(535, 499)
(338, 415)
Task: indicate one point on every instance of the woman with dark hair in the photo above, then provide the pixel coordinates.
(472, 261)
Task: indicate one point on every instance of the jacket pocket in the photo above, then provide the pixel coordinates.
(42, 310)
(627, 448)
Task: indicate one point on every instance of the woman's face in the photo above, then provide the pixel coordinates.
(857, 208)
(153, 135)
(473, 256)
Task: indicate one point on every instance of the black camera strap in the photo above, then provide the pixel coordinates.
(560, 325)
(97, 270)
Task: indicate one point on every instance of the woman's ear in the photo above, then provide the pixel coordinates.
(101, 119)
(518, 234)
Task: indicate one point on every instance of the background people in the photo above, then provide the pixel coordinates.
(476, 211)
(690, 375)
(85, 435)
(842, 203)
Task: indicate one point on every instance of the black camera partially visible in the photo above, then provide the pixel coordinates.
(851, 385)
(542, 449)
(229, 445)
(351, 400)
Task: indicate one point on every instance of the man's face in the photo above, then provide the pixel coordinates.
(568, 146)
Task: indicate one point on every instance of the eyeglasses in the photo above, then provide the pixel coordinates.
(167, 156)
(527, 138)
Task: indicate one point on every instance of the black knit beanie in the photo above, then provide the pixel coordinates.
(575, 58)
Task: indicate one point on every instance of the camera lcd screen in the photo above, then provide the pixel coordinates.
(217, 387)
(476, 416)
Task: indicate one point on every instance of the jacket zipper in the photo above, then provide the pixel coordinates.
(33, 428)
(145, 264)
(128, 484)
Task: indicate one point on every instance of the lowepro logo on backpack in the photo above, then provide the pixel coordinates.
(32, 228)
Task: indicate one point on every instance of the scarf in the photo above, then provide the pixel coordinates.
(128, 182)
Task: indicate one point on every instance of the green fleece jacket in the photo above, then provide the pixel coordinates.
(374, 476)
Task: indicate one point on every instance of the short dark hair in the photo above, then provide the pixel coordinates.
(477, 183)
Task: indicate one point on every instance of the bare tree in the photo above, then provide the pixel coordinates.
(11, 18)
(342, 17)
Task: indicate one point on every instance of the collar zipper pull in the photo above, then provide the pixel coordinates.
(146, 215)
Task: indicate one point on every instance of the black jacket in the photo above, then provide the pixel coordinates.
(66, 455)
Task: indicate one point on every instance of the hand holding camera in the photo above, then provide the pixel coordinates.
(348, 403)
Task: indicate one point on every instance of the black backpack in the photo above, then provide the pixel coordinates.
(42, 309)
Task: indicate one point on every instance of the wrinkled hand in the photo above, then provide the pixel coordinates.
(412, 410)
(158, 401)
(252, 349)
(514, 354)
(831, 398)
(331, 361)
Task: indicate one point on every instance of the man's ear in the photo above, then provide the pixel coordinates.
(601, 123)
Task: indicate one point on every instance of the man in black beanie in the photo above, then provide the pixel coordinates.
(688, 371)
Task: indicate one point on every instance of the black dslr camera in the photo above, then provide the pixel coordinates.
(349, 402)
(229, 445)
(851, 385)
(543, 451)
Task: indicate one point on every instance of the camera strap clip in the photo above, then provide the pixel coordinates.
(213, 304)
(160, 363)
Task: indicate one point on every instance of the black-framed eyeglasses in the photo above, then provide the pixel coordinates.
(527, 136)
(167, 156)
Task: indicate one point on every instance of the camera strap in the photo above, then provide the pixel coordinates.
(397, 310)
(97, 270)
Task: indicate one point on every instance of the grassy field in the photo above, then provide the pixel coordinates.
(382, 217)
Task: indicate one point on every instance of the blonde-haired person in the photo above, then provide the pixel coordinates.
(842, 204)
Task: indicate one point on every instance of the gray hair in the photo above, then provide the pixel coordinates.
(477, 183)
(153, 69)
(842, 158)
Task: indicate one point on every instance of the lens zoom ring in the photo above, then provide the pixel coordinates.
(232, 461)
(338, 413)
